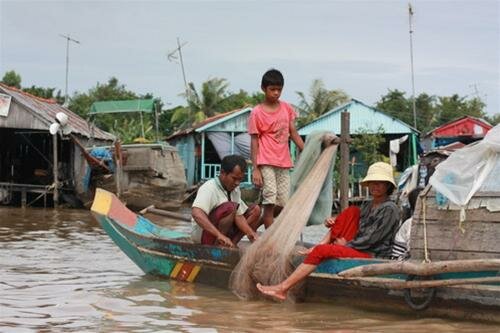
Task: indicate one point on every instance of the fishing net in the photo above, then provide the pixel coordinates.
(312, 150)
(268, 260)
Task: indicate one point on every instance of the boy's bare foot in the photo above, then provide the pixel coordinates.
(273, 291)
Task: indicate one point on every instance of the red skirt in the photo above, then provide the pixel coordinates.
(346, 226)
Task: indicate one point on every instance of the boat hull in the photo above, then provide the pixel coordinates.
(169, 254)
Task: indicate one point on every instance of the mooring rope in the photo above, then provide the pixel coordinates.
(426, 250)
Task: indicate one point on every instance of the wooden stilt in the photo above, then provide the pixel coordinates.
(55, 171)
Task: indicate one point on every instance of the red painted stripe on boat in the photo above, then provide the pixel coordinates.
(185, 271)
(120, 213)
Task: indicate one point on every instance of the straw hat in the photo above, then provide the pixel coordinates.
(379, 171)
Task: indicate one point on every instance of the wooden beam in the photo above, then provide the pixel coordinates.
(433, 268)
(55, 171)
(344, 161)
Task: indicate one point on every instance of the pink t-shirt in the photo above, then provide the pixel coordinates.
(273, 130)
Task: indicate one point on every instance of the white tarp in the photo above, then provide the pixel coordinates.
(222, 144)
(469, 169)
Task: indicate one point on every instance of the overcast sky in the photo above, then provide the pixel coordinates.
(361, 47)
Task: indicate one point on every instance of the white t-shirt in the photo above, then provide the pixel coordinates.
(210, 195)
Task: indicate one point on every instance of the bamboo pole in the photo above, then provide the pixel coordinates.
(157, 211)
(425, 269)
(344, 161)
(401, 284)
(118, 171)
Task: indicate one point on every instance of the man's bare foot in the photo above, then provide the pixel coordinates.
(273, 291)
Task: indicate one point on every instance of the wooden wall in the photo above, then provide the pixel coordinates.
(446, 241)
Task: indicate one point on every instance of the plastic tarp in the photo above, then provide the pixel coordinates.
(134, 105)
(308, 157)
(472, 168)
(222, 144)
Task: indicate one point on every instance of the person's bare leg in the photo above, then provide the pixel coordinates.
(253, 220)
(279, 291)
(277, 210)
(268, 216)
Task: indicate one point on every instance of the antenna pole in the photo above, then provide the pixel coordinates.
(410, 16)
(179, 47)
(68, 39)
(172, 56)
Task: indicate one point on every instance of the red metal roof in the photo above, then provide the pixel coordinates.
(46, 110)
(465, 126)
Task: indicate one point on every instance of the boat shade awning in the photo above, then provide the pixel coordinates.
(134, 105)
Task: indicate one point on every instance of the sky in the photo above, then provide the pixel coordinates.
(361, 47)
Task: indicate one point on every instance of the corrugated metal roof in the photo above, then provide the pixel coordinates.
(236, 121)
(462, 126)
(45, 110)
(362, 117)
(209, 122)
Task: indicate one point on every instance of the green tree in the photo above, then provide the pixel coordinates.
(241, 99)
(431, 111)
(201, 105)
(209, 101)
(80, 103)
(425, 106)
(167, 126)
(129, 130)
(321, 101)
(395, 104)
(367, 144)
(12, 79)
(452, 107)
(494, 119)
(127, 126)
(47, 93)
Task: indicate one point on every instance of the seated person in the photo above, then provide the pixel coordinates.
(364, 232)
(401, 244)
(219, 216)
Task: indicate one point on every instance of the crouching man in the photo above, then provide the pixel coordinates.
(219, 216)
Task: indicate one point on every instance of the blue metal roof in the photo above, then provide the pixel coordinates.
(234, 122)
(362, 118)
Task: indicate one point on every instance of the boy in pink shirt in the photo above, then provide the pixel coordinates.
(271, 125)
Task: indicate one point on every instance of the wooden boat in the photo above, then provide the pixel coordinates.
(145, 175)
(466, 289)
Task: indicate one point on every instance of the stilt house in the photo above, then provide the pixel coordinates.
(27, 149)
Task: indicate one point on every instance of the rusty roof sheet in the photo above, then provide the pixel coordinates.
(46, 110)
(203, 123)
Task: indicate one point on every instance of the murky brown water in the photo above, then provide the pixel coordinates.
(59, 272)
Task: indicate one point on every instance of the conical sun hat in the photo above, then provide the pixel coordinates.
(379, 171)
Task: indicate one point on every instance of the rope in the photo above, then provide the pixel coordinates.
(426, 250)
(461, 219)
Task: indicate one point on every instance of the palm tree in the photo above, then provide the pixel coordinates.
(201, 105)
(321, 101)
(210, 101)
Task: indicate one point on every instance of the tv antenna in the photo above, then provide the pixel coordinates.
(177, 54)
(410, 16)
(68, 39)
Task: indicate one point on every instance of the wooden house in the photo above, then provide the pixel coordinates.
(461, 219)
(27, 148)
(367, 119)
(203, 146)
(463, 130)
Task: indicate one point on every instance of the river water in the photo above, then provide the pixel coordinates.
(59, 272)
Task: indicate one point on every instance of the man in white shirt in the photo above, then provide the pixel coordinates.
(219, 216)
